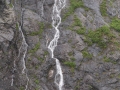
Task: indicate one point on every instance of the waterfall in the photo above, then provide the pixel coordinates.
(56, 21)
(22, 52)
(23, 48)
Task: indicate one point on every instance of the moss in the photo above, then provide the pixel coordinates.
(70, 64)
(36, 81)
(46, 53)
(105, 59)
(17, 26)
(77, 22)
(92, 37)
(69, 41)
(112, 75)
(10, 5)
(115, 24)
(103, 8)
(70, 53)
(36, 67)
(38, 32)
(86, 54)
(97, 36)
(74, 4)
(37, 88)
(77, 87)
(118, 76)
(29, 59)
(40, 59)
(72, 58)
(22, 88)
(37, 46)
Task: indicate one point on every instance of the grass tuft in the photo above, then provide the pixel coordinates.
(115, 24)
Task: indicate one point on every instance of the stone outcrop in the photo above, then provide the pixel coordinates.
(84, 66)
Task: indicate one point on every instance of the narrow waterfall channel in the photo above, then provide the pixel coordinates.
(22, 52)
(23, 48)
(56, 20)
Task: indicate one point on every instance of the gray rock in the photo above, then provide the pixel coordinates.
(78, 56)
(106, 88)
(115, 56)
(94, 50)
(31, 21)
(88, 74)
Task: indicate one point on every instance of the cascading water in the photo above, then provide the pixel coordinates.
(23, 48)
(56, 20)
(22, 52)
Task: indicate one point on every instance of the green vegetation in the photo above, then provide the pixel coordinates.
(106, 59)
(17, 26)
(10, 5)
(70, 64)
(36, 81)
(103, 8)
(37, 46)
(98, 35)
(77, 22)
(22, 88)
(38, 32)
(36, 67)
(118, 76)
(115, 24)
(70, 53)
(37, 88)
(40, 59)
(77, 87)
(46, 53)
(74, 4)
(72, 58)
(86, 54)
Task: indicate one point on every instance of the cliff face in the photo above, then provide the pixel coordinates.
(88, 47)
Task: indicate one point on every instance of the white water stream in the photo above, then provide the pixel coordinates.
(22, 52)
(56, 21)
(23, 48)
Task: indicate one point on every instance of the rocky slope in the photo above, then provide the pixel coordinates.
(88, 48)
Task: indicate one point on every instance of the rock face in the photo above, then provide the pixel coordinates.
(87, 63)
